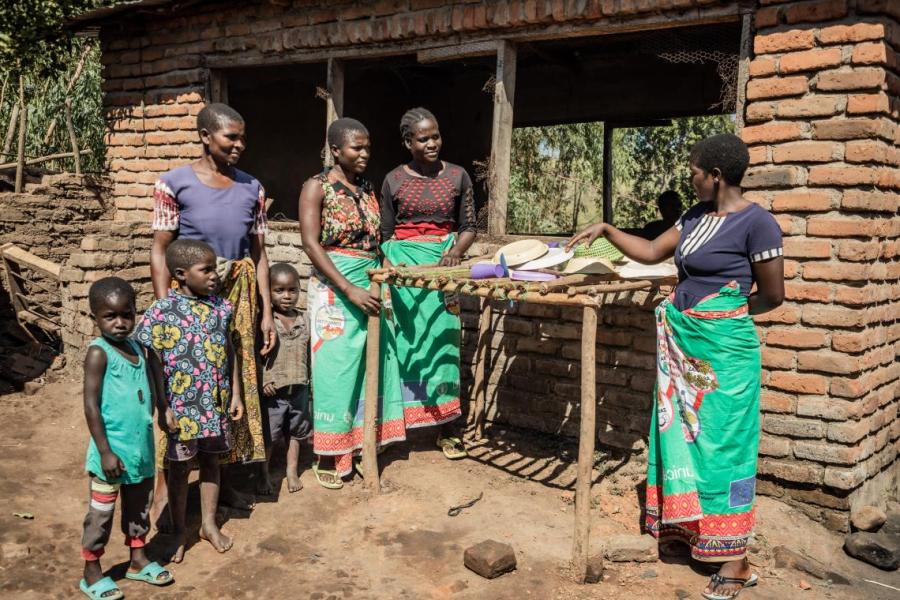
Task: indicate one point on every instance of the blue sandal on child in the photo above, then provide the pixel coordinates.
(150, 574)
(100, 587)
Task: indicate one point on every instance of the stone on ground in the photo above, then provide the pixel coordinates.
(892, 521)
(867, 518)
(785, 558)
(880, 550)
(490, 558)
(595, 569)
(32, 387)
(12, 550)
(632, 548)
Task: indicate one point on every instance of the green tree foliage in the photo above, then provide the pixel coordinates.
(35, 44)
(655, 159)
(556, 168)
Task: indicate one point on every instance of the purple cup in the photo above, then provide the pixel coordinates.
(486, 270)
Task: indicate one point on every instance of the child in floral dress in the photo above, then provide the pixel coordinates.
(188, 329)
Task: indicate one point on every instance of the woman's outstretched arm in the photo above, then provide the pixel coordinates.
(634, 247)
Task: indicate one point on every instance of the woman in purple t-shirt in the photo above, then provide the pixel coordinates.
(212, 201)
(701, 475)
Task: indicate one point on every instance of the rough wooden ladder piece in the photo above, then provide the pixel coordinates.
(480, 384)
(13, 257)
(586, 437)
(370, 409)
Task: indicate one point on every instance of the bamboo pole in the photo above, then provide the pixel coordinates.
(480, 385)
(11, 129)
(69, 86)
(23, 123)
(76, 154)
(370, 410)
(586, 436)
(43, 159)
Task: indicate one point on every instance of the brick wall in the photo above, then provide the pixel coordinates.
(155, 80)
(822, 123)
(49, 220)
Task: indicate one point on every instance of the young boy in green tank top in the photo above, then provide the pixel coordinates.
(121, 384)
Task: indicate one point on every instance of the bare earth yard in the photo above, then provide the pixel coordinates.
(324, 545)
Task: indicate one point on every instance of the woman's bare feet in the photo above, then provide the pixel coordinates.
(218, 540)
(265, 487)
(735, 569)
(294, 483)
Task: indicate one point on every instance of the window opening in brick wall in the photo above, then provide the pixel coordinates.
(379, 91)
(285, 128)
(658, 92)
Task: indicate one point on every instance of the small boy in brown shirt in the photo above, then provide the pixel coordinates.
(286, 376)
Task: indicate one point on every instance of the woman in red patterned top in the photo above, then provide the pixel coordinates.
(428, 217)
(340, 225)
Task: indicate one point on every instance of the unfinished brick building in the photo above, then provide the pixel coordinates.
(815, 92)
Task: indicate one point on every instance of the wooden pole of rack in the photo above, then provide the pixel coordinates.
(370, 414)
(587, 434)
(480, 386)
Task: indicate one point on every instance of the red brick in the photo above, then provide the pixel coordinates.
(823, 407)
(776, 87)
(848, 388)
(827, 316)
(848, 432)
(802, 383)
(777, 358)
(783, 42)
(770, 445)
(842, 175)
(775, 402)
(870, 53)
(851, 79)
(809, 201)
(791, 225)
(858, 32)
(857, 341)
(760, 111)
(847, 129)
(771, 176)
(758, 154)
(771, 132)
(866, 151)
(760, 67)
(836, 363)
(816, 292)
(809, 60)
(802, 472)
(868, 103)
(766, 17)
(786, 313)
(870, 201)
(827, 453)
(793, 426)
(810, 106)
(856, 251)
(813, 12)
(795, 337)
(806, 151)
(835, 271)
(844, 478)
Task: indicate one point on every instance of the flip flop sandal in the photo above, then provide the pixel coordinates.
(150, 574)
(452, 447)
(100, 587)
(716, 580)
(336, 482)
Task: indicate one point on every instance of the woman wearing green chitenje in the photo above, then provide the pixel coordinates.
(427, 217)
(704, 433)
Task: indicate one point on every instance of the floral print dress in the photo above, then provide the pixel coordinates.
(189, 335)
(350, 221)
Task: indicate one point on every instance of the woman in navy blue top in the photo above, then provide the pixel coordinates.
(701, 477)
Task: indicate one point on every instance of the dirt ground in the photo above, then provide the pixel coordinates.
(326, 545)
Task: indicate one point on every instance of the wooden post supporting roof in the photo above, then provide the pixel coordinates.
(586, 437)
(218, 86)
(743, 73)
(334, 101)
(501, 137)
(607, 172)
